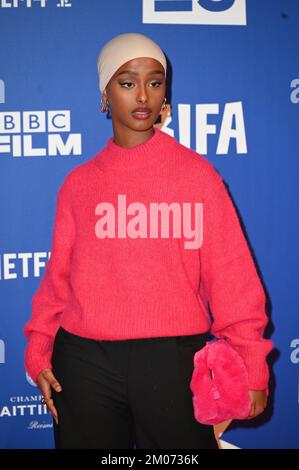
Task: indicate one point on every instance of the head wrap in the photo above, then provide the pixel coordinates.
(123, 48)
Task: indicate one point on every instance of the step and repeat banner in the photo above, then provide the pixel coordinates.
(233, 97)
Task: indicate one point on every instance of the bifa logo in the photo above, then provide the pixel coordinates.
(38, 133)
(217, 12)
(231, 123)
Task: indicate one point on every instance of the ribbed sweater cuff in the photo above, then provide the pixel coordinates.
(257, 368)
(38, 354)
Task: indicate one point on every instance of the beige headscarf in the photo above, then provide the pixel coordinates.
(123, 48)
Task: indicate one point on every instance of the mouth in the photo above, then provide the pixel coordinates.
(141, 114)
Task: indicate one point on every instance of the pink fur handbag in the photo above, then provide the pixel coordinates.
(219, 384)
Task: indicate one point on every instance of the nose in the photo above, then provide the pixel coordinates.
(141, 95)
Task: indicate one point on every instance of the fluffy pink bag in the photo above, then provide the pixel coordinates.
(219, 384)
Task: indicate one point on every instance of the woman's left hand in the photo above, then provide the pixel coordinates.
(258, 402)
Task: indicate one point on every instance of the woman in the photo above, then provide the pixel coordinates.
(123, 305)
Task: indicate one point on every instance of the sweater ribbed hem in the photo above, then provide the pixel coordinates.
(109, 318)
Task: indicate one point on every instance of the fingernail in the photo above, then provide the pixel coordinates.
(58, 389)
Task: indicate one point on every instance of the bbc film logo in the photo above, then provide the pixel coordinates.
(208, 12)
(20, 129)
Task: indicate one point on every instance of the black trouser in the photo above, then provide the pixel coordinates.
(123, 394)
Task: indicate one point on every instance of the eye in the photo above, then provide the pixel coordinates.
(125, 83)
(156, 84)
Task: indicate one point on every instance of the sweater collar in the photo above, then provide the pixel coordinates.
(151, 152)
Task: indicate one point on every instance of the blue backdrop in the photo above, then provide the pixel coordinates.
(234, 98)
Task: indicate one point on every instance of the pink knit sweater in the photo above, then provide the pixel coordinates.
(117, 272)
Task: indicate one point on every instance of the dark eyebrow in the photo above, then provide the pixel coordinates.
(136, 73)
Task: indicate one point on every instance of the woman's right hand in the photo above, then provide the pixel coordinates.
(45, 380)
